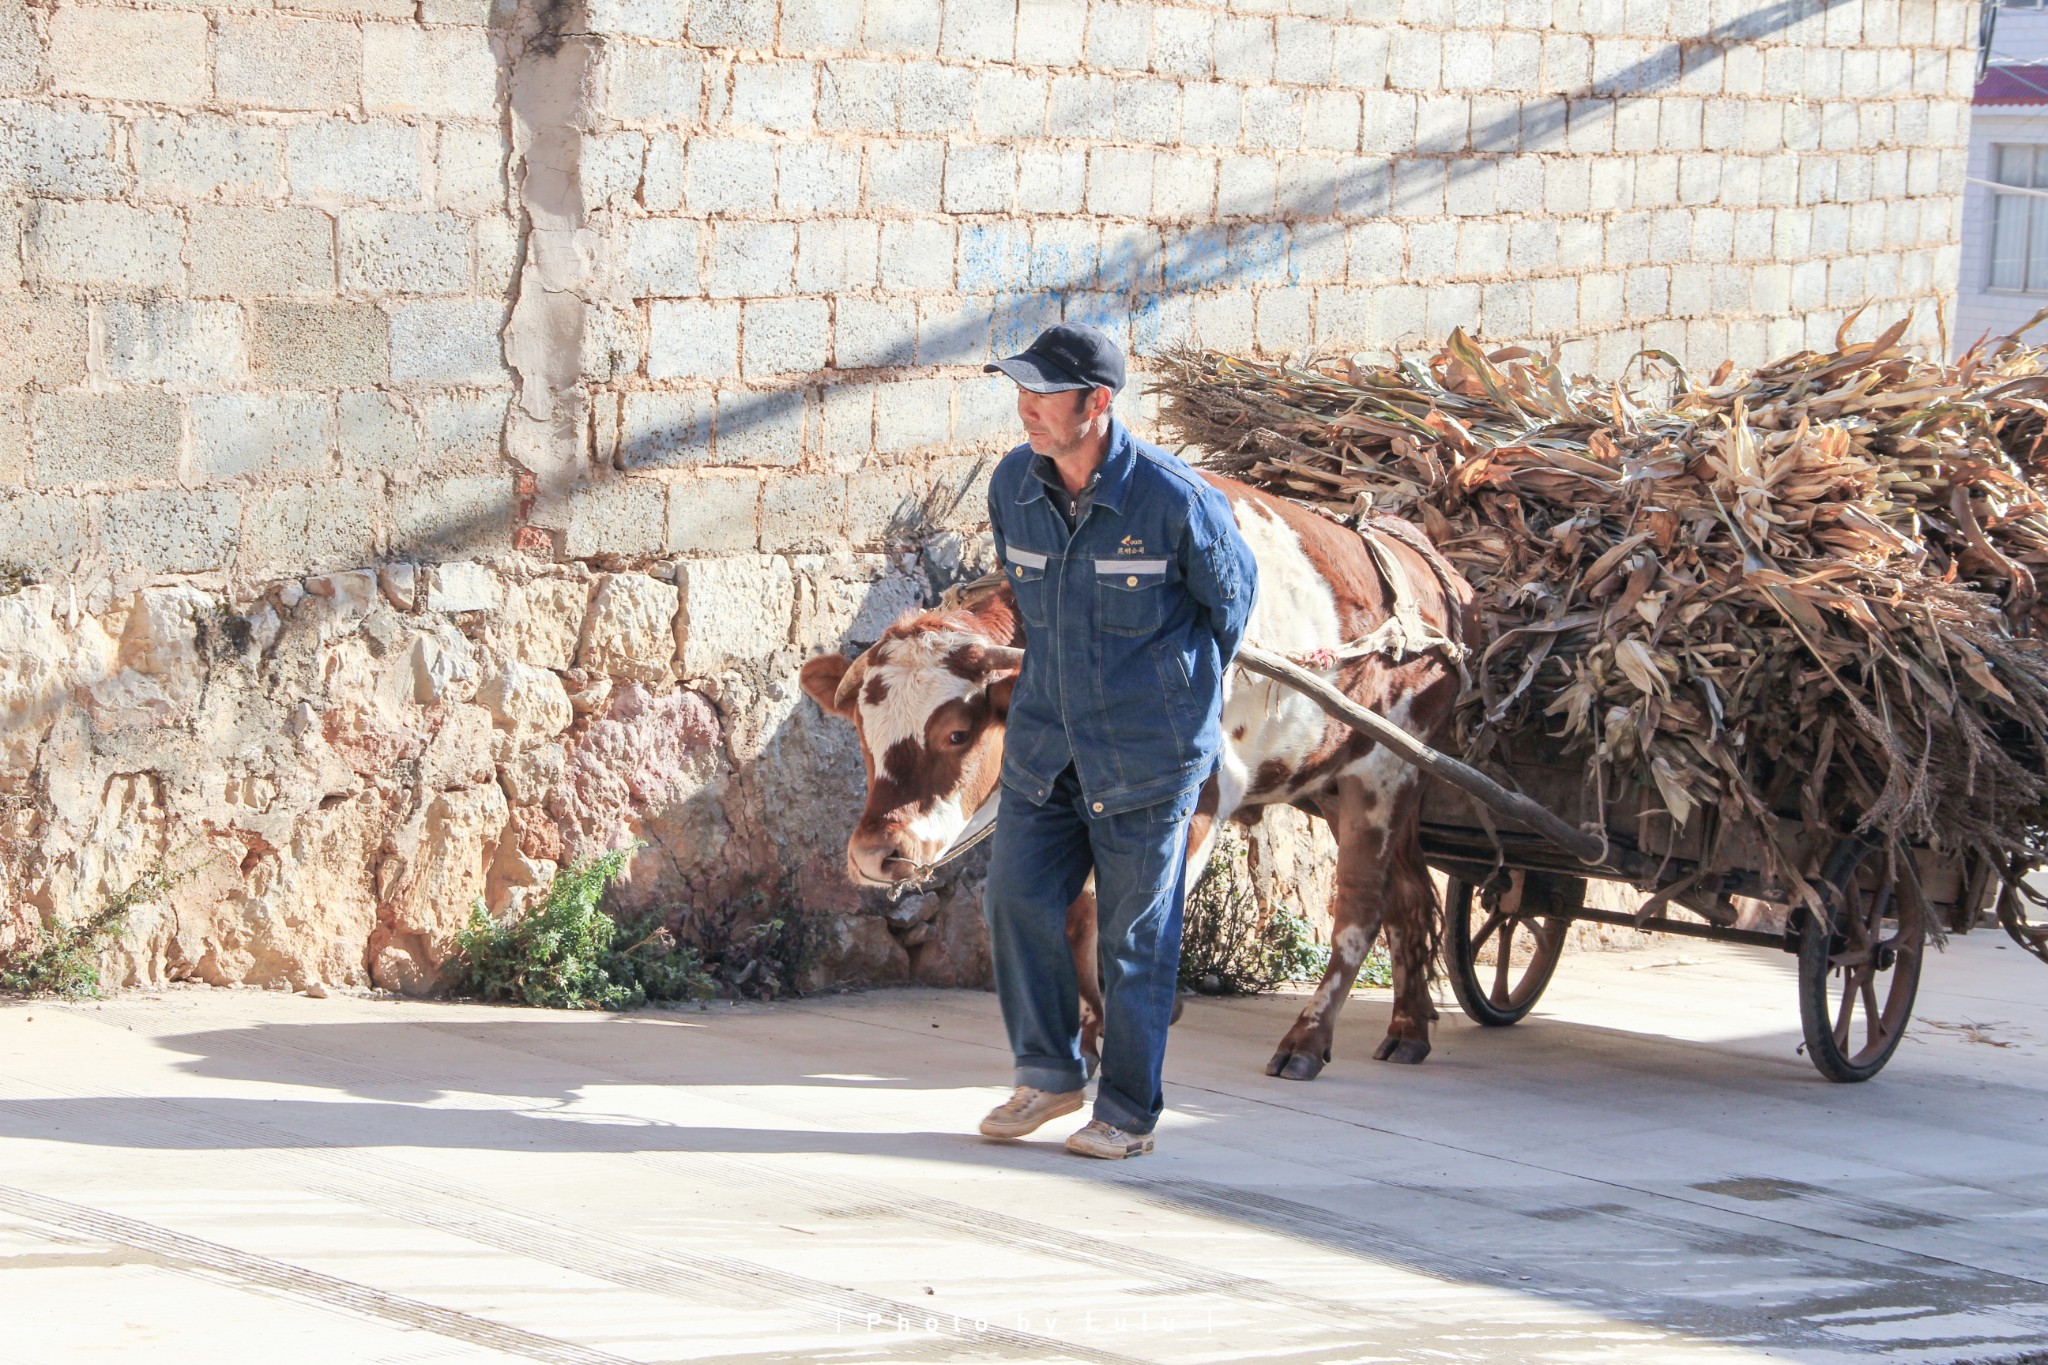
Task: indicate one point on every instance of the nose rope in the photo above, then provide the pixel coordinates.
(978, 827)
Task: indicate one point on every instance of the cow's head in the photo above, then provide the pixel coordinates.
(929, 701)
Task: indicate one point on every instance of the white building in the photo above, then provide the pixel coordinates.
(2004, 276)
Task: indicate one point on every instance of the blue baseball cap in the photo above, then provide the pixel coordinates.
(1070, 355)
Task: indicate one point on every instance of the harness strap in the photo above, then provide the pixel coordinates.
(974, 590)
(978, 827)
(1448, 580)
(1405, 632)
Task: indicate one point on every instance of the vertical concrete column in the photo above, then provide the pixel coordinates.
(554, 99)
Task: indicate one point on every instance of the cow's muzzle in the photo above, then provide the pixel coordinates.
(895, 859)
(880, 863)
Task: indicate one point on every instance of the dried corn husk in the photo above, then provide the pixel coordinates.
(1803, 593)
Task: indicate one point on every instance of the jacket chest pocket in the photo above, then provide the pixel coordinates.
(1026, 571)
(1130, 595)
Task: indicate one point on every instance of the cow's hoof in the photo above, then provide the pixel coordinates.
(1179, 1003)
(1407, 1051)
(1294, 1066)
(1090, 1064)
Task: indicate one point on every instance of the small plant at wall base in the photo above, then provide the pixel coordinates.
(753, 944)
(65, 958)
(567, 952)
(1227, 949)
(751, 956)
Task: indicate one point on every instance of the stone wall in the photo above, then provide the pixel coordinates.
(436, 431)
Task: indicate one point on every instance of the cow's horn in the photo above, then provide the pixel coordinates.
(849, 683)
(1003, 658)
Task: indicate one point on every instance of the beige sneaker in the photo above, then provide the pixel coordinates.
(1108, 1141)
(1025, 1110)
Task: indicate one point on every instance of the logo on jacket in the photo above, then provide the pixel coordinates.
(1130, 545)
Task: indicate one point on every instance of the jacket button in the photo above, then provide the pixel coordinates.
(1020, 573)
(1130, 582)
(1098, 808)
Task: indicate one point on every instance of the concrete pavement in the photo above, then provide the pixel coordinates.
(1642, 1172)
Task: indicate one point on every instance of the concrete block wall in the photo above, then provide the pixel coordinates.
(254, 248)
(254, 271)
(840, 211)
(676, 309)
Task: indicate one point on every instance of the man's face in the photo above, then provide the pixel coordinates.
(1059, 423)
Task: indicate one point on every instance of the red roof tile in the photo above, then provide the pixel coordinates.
(2013, 84)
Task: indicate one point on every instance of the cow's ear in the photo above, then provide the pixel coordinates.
(820, 678)
(999, 696)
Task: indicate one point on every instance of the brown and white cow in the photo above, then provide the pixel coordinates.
(929, 700)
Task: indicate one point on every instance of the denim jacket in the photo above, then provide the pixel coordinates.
(1129, 622)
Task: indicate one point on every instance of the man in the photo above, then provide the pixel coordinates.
(1134, 586)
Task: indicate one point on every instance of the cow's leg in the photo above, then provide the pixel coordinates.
(1360, 816)
(1202, 827)
(1411, 918)
(1081, 938)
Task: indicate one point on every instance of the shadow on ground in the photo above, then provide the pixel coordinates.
(1712, 1188)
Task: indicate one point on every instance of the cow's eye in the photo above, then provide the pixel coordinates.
(957, 737)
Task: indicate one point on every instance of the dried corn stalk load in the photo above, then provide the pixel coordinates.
(1805, 593)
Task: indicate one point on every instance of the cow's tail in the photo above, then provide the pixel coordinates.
(1408, 879)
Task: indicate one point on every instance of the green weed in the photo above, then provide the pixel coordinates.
(65, 959)
(1227, 949)
(751, 956)
(567, 952)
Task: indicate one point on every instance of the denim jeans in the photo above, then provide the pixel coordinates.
(1041, 857)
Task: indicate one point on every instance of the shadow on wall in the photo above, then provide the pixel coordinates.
(788, 775)
(734, 782)
(1017, 280)
(1141, 291)
(352, 766)
(802, 783)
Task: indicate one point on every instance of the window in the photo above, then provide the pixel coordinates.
(2019, 222)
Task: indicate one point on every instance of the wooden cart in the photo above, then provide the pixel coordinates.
(1858, 972)
(1859, 950)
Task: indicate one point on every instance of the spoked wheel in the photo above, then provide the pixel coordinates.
(2013, 897)
(1521, 924)
(1857, 982)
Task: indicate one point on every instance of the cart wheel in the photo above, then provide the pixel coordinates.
(1856, 984)
(1500, 993)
